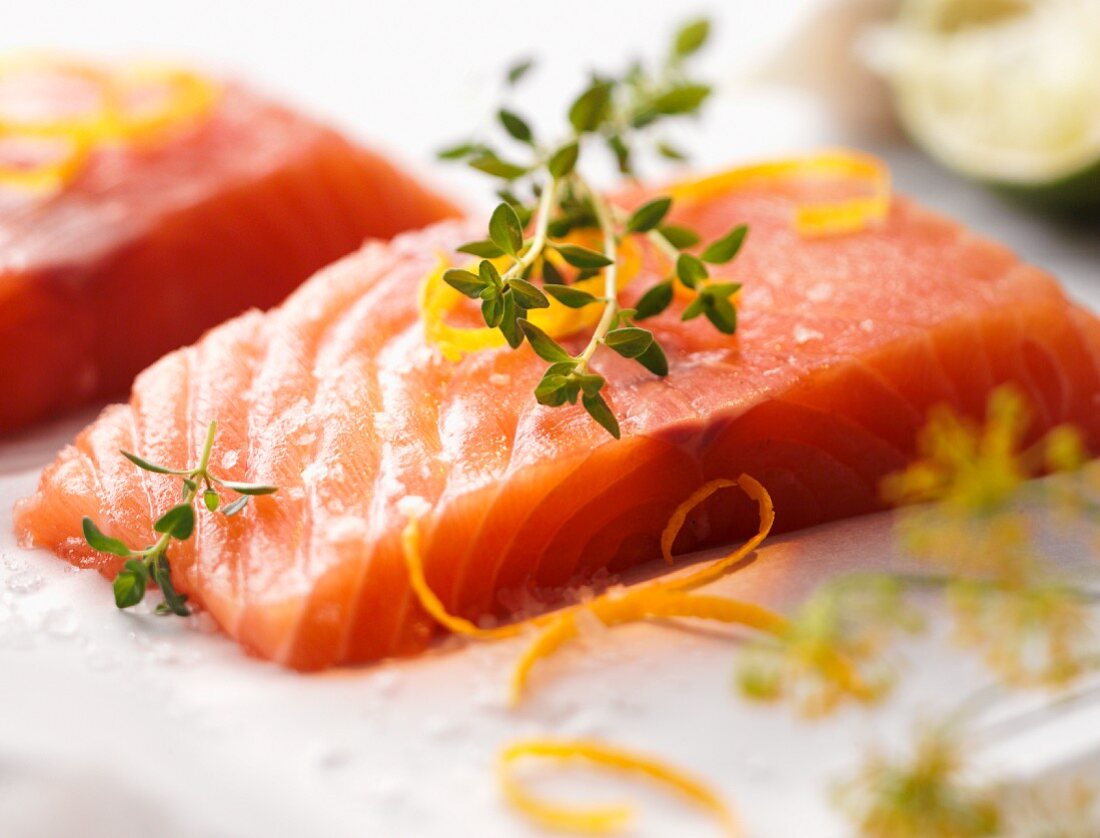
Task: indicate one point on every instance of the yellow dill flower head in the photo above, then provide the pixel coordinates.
(927, 795)
(833, 650)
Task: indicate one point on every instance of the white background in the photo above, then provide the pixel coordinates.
(119, 724)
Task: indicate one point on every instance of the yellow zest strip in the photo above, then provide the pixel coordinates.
(190, 96)
(437, 299)
(832, 218)
(605, 818)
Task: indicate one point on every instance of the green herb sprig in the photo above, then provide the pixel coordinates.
(150, 564)
(613, 112)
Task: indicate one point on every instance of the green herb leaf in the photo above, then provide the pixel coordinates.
(492, 307)
(692, 309)
(721, 313)
(485, 249)
(648, 215)
(591, 108)
(103, 543)
(518, 70)
(491, 164)
(582, 257)
(722, 250)
(670, 152)
(211, 500)
(550, 274)
(597, 408)
(591, 383)
(509, 325)
(630, 342)
(679, 237)
(622, 154)
(174, 602)
(723, 289)
(563, 161)
(457, 152)
(685, 98)
(490, 275)
(545, 346)
(232, 508)
(655, 300)
(690, 270)
(250, 488)
(179, 522)
(129, 586)
(654, 360)
(690, 38)
(148, 466)
(505, 230)
(514, 124)
(569, 296)
(557, 385)
(527, 295)
(469, 284)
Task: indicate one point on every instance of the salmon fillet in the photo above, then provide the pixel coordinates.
(150, 246)
(844, 345)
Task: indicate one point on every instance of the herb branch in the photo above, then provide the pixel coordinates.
(563, 209)
(150, 564)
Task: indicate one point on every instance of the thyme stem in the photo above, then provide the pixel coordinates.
(611, 291)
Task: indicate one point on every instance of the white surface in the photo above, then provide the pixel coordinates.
(119, 724)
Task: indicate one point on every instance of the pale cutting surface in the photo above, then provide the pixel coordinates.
(123, 720)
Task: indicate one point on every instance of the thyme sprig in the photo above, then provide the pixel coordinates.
(561, 202)
(150, 564)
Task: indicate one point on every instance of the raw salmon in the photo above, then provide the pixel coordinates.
(845, 343)
(150, 245)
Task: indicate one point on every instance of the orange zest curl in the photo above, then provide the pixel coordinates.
(187, 97)
(599, 819)
(848, 215)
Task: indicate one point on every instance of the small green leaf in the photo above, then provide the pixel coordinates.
(693, 309)
(679, 237)
(179, 522)
(690, 38)
(569, 296)
(591, 383)
(690, 270)
(489, 163)
(505, 230)
(591, 108)
(722, 250)
(654, 360)
(550, 274)
(518, 70)
(621, 150)
(174, 602)
(103, 543)
(655, 300)
(723, 289)
(148, 466)
(563, 160)
(492, 307)
(515, 125)
(648, 215)
(682, 99)
(491, 277)
(485, 249)
(457, 152)
(630, 342)
(129, 588)
(721, 313)
(509, 321)
(527, 295)
(545, 346)
(250, 488)
(597, 408)
(232, 508)
(211, 500)
(469, 284)
(553, 388)
(670, 152)
(582, 257)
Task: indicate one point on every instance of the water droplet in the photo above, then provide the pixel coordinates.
(60, 623)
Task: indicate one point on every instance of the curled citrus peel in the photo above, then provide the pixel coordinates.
(437, 300)
(186, 97)
(848, 215)
(664, 598)
(601, 819)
